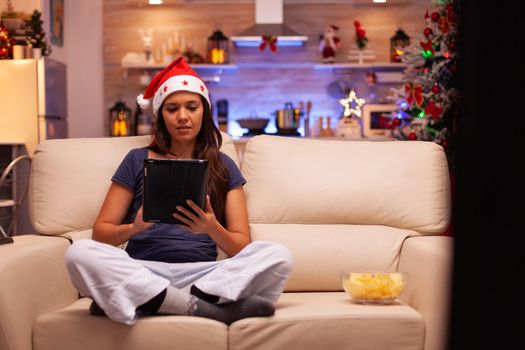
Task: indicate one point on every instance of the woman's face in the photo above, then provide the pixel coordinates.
(183, 112)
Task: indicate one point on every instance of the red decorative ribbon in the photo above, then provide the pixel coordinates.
(270, 41)
(427, 46)
(414, 94)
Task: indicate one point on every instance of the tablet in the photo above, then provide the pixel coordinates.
(169, 183)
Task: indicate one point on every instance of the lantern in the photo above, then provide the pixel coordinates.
(218, 48)
(120, 120)
(398, 43)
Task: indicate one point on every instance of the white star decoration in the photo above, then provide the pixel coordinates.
(352, 104)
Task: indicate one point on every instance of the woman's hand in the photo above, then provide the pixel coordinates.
(139, 224)
(203, 222)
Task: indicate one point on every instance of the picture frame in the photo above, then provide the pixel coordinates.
(56, 23)
(374, 120)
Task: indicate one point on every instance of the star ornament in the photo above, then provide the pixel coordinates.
(352, 104)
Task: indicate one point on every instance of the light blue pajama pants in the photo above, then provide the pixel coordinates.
(119, 283)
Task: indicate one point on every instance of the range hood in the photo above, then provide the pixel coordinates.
(268, 22)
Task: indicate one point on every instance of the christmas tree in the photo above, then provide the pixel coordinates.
(429, 98)
(36, 37)
(6, 43)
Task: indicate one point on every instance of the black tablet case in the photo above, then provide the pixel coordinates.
(170, 182)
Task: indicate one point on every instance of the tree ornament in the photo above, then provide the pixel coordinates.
(396, 121)
(412, 136)
(436, 89)
(434, 110)
(428, 32)
(6, 43)
(435, 16)
(414, 95)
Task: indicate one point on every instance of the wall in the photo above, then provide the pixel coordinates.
(263, 81)
(82, 52)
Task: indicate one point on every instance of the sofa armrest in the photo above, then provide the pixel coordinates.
(33, 281)
(428, 262)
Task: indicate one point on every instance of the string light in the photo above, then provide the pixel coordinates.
(352, 104)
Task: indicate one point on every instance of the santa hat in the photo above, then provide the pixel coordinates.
(178, 76)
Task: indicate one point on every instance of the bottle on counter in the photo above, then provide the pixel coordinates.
(222, 115)
(142, 122)
(306, 120)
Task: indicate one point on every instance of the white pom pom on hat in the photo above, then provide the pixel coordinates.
(143, 103)
(178, 76)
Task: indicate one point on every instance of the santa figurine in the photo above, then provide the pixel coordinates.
(329, 44)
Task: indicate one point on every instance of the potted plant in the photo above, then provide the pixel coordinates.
(36, 37)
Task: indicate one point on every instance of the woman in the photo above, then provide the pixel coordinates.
(172, 269)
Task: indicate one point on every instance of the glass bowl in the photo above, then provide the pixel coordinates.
(374, 287)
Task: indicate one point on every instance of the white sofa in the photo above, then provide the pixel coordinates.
(338, 205)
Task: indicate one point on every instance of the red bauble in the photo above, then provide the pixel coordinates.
(428, 32)
(436, 89)
(435, 16)
(396, 121)
(444, 143)
(452, 45)
(412, 136)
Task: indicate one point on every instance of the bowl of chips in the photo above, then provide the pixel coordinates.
(374, 287)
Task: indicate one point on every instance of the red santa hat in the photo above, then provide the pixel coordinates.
(178, 76)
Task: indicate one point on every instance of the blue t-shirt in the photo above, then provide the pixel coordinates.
(166, 242)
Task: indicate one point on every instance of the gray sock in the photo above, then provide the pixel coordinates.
(254, 306)
(178, 302)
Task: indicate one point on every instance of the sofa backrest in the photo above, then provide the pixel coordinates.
(70, 177)
(304, 181)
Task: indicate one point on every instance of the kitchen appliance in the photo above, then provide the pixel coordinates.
(255, 125)
(33, 101)
(269, 22)
(287, 120)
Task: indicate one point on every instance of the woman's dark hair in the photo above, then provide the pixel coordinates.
(209, 141)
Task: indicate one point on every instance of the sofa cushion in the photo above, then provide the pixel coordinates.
(330, 321)
(70, 178)
(322, 253)
(392, 183)
(74, 328)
